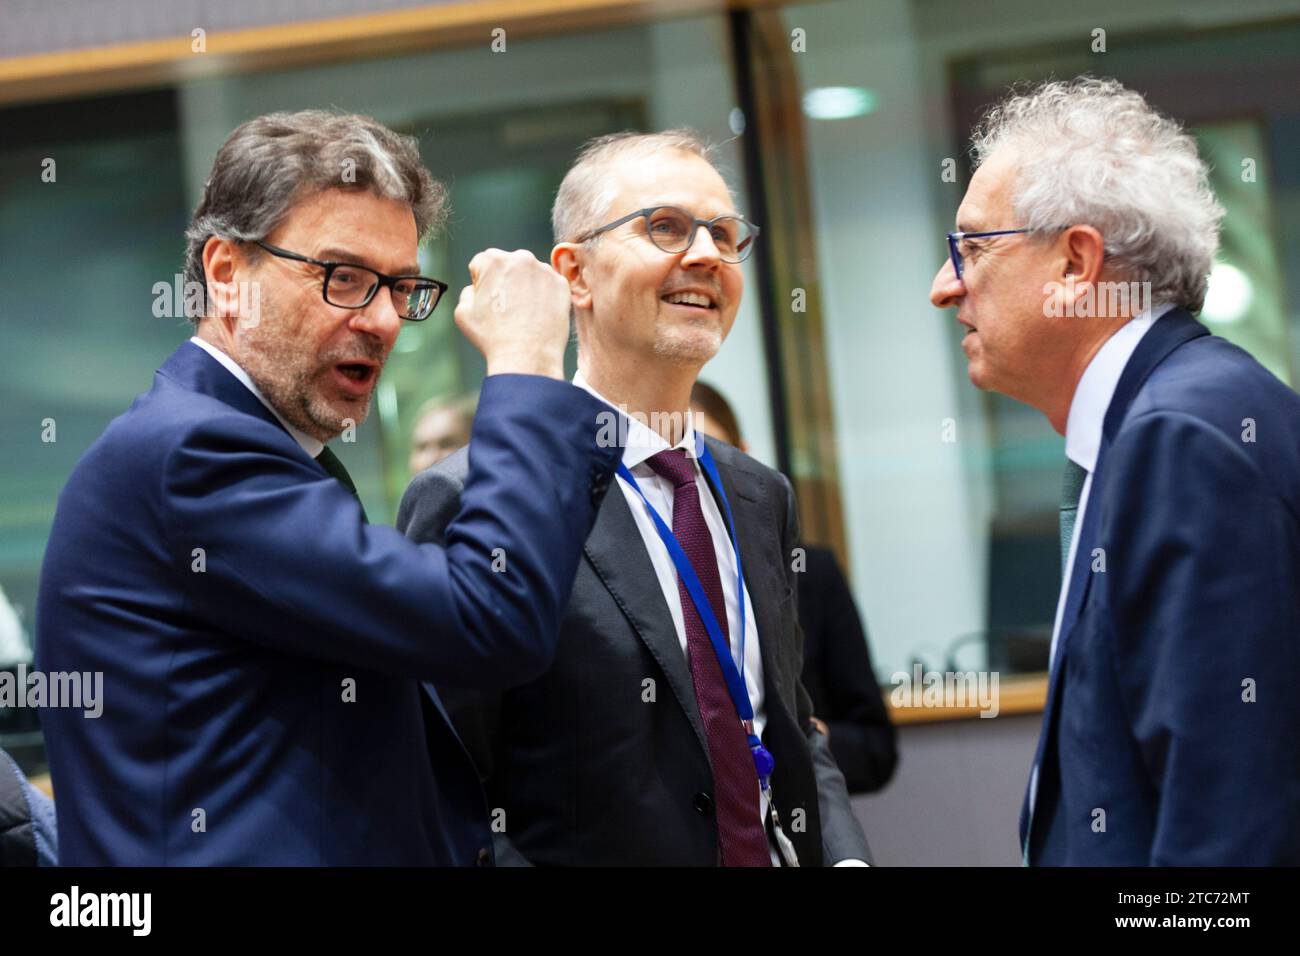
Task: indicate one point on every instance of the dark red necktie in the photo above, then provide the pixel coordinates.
(735, 782)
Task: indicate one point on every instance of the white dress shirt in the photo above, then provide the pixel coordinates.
(1083, 430)
(311, 446)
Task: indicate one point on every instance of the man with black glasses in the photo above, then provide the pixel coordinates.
(262, 645)
(672, 729)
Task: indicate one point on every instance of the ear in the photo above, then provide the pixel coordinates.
(566, 259)
(1084, 253)
(222, 263)
(1078, 270)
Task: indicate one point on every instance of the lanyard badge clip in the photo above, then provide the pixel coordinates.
(764, 762)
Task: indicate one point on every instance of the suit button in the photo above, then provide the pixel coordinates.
(703, 803)
(484, 857)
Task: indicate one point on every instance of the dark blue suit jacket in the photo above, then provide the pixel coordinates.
(226, 737)
(1172, 729)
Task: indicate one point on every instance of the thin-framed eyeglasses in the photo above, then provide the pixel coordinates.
(673, 230)
(955, 239)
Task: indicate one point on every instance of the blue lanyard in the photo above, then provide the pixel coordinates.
(731, 672)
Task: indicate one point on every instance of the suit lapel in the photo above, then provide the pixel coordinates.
(794, 782)
(1165, 335)
(198, 371)
(763, 580)
(623, 565)
(625, 570)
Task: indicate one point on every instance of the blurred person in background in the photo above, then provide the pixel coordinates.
(441, 426)
(13, 640)
(28, 834)
(28, 825)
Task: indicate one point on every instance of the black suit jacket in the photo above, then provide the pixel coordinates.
(603, 759)
(840, 679)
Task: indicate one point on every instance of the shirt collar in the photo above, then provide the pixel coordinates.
(1097, 388)
(642, 440)
(312, 446)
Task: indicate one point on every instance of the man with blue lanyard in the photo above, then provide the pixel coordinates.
(672, 728)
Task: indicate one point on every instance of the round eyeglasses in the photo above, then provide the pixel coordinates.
(673, 230)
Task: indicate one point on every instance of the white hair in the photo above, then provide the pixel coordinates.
(1091, 152)
(583, 200)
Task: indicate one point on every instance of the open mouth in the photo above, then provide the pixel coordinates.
(356, 377)
(355, 371)
(691, 300)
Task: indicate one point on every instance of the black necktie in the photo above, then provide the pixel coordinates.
(334, 468)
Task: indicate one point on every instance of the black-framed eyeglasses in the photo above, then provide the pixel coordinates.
(955, 239)
(673, 230)
(351, 286)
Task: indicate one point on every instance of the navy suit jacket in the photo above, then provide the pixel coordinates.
(263, 647)
(1172, 729)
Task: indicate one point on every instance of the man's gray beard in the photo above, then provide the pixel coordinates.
(306, 410)
(289, 387)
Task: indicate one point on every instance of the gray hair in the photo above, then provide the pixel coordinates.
(275, 161)
(1092, 152)
(587, 192)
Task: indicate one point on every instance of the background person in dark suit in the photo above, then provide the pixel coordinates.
(837, 672)
(28, 830)
(441, 426)
(261, 644)
(1170, 732)
(630, 749)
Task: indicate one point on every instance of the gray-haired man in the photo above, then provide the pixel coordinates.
(1082, 250)
(262, 645)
